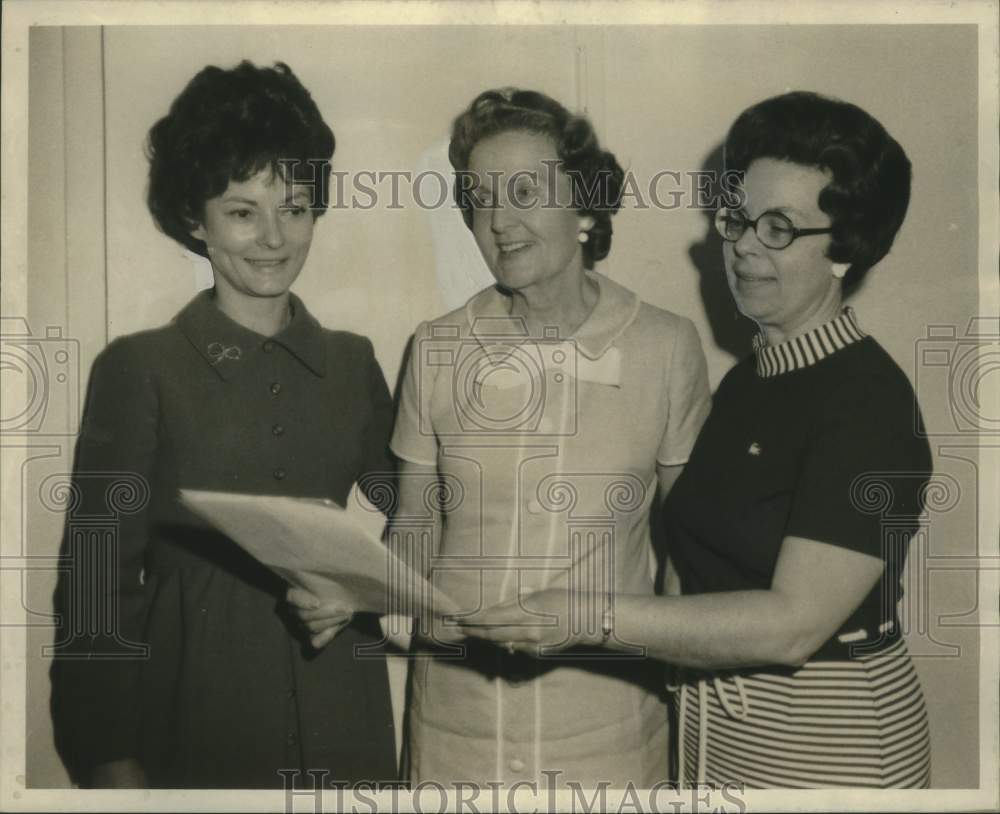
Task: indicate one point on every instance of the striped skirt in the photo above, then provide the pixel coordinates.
(857, 723)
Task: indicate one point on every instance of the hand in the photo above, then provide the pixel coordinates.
(119, 774)
(323, 620)
(436, 628)
(539, 620)
(441, 630)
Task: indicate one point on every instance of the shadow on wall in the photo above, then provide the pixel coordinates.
(731, 331)
(397, 390)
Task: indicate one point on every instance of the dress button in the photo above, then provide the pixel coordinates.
(292, 739)
(290, 692)
(275, 388)
(279, 474)
(516, 765)
(268, 347)
(277, 429)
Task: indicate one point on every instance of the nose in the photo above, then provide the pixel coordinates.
(747, 242)
(501, 217)
(270, 233)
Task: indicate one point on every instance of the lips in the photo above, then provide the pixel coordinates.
(265, 263)
(514, 246)
(745, 276)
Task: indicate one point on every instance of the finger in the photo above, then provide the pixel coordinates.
(321, 625)
(526, 648)
(448, 634)
(506, 615)
(505, 608)
(501, 633)
(301, 599)
(331, 611)
(321, 640)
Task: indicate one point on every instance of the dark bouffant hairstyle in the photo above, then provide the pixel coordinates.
(870, 191)
(595, 176)
(228, 125)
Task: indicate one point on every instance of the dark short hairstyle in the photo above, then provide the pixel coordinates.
(595, 177)
(228, 125)
(870, 191)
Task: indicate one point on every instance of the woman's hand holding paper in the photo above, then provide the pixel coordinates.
(324, 619)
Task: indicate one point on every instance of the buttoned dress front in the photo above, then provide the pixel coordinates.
(547, 452)
(229, 692)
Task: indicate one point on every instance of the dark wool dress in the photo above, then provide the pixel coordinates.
(175, 648)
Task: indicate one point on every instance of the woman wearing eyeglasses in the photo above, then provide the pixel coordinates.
(793, 669)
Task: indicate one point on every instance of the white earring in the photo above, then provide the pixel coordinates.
(583, 237)
(839, 270)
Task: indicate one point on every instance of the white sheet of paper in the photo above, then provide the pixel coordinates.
(318, 546)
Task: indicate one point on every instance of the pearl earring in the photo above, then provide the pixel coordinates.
(583, 237)
(839, 270)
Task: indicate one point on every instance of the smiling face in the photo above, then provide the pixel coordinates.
(791, 290)
(523, 222)
(258, 234)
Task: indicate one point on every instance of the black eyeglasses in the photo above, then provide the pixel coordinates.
(773, 229)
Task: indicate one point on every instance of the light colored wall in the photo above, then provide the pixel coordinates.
(671, 95)
(370, 271)
(661, 98)
(66, 293)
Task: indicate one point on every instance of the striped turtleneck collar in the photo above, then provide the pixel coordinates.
(808, 348)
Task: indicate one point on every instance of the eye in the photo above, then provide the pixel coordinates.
(776, 227)
(481, 200)
(525, 194)
(295, 211)
(730, 223)
(241, 214)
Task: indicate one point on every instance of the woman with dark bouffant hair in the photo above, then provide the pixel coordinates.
(789, 528)
(550, 409)
(202, 680)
